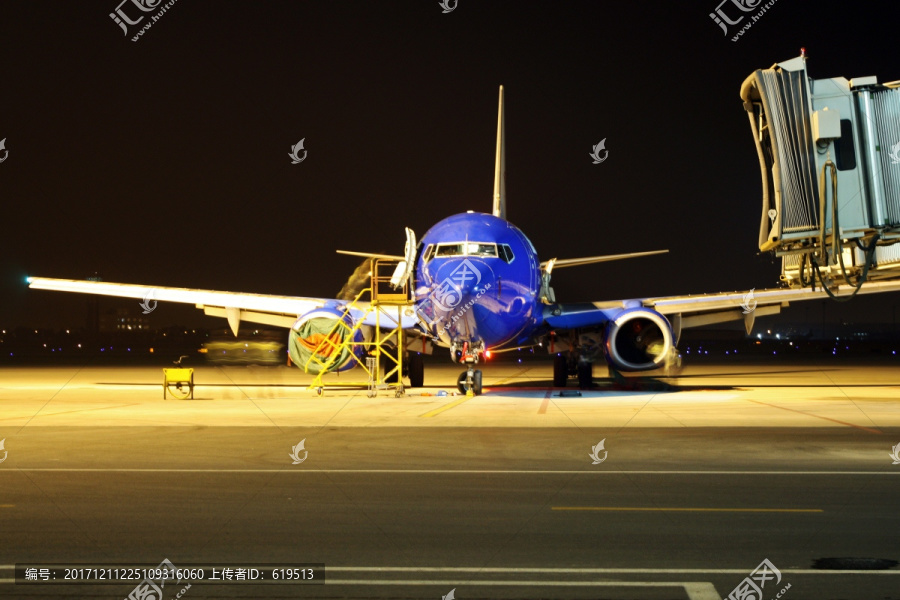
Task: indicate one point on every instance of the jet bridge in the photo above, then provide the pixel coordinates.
(829, 157)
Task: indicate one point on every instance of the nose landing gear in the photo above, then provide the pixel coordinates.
(469, 381)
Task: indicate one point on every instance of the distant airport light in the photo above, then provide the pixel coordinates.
(487, 354)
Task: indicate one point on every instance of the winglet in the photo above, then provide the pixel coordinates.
(500, 165)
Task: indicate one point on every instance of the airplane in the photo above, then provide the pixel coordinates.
(479, 287)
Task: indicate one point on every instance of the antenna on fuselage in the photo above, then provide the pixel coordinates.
(500, 165)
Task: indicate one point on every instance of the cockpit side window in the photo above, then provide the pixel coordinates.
(506, 253)
(429, 251)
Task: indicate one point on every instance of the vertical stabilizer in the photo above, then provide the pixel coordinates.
(500, 165)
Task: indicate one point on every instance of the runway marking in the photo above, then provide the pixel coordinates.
(441, 409)
(506, 380)
(879, 432)
(591, 571)
(435, 471)
(78, 410)
(543, 409)
(680, 509)
(695, 590)
(7, 505)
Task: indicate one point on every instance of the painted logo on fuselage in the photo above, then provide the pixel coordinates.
(449, 293)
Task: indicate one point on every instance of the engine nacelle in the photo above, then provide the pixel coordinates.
(638, 339)
(319, 341)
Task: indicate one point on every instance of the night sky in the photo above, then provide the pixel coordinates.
(165, 161)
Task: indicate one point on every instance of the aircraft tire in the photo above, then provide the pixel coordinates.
(461, 382)
(560, 370)
(387, 364)
(416, 370)
(585, 375)
(476, 383)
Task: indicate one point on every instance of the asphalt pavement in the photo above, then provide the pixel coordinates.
(674, 488)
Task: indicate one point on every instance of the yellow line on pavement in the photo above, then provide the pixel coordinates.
(679, 509)
(441, 409)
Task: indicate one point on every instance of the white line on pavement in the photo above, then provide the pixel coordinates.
(12, 469)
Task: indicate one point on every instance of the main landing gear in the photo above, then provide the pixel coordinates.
(565, 365)
(469, 381)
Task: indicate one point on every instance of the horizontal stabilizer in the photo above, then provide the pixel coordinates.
(369, 254)
(574, 262)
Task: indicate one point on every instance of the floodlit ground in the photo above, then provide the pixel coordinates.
(700, 477)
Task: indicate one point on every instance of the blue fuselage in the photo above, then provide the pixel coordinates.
(478, 281)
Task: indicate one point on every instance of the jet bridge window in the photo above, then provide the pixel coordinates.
(845, 158)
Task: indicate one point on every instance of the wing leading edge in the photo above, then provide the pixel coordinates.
(279, 311)
(702, 309)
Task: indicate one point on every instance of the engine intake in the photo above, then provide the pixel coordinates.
(638, 339)
(319, 341)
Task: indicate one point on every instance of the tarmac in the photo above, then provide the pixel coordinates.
(664, 487)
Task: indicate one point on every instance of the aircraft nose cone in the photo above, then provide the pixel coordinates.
(458, 282)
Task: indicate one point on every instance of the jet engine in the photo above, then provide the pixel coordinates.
(325, 340)
(638, 339)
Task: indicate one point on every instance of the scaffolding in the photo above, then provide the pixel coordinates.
(379, 307)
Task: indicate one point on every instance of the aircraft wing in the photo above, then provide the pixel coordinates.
(703, 309)
(280, 311)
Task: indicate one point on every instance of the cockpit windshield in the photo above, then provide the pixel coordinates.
(466, 249)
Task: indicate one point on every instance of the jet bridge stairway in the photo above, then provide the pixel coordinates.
(378, 307)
